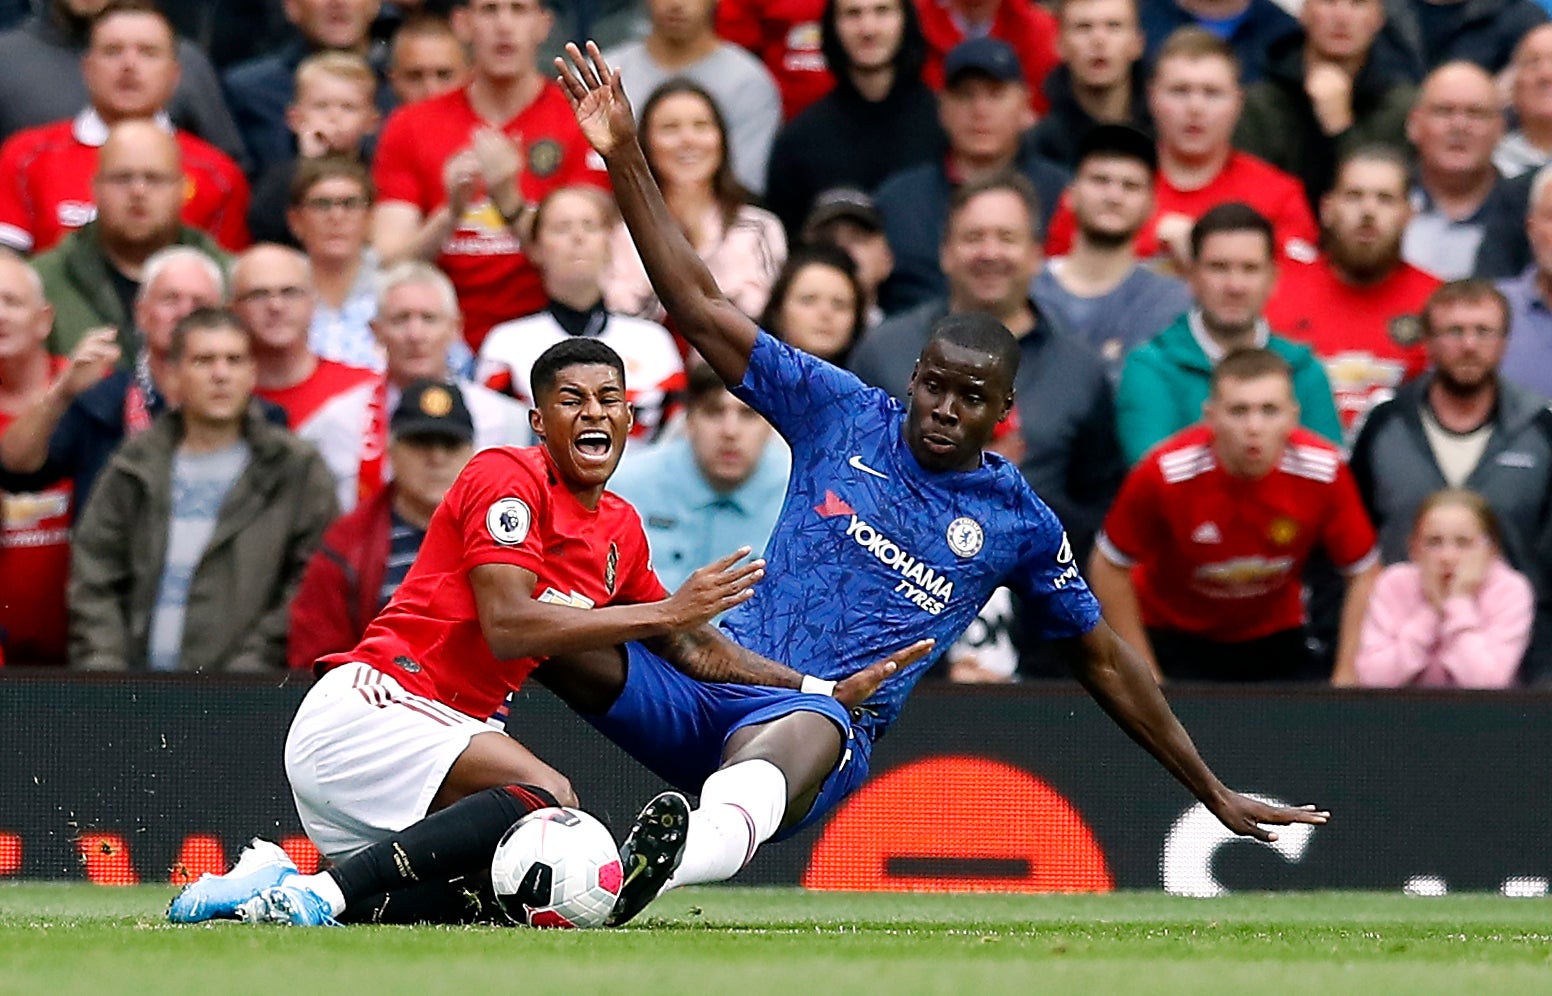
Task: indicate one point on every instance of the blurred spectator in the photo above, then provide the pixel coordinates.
(1527, 359)
(13, 12)
(847, 219)
(366, 553)
(570, 246)
(1198, 565)
(261, 91)
(685, 139)
(1028, 29)
(984, 108)
(272, 295)
(1250, 28)
(333, 114)
(43, 82)
(1454, 614)
(1195, 101)
(879, 118)
(785, 35)
(1066, 421)
(1324, 94)
(454, 173)
(426, 60)
(1101, 78)
(1425, 34)
(330, 204)
(1529, 145)
(719, 486)
(1104, 295)
(71, 431)
(817, 304)
(683, 43)
(1357, 306)
(130, 68)
(191, 545)
(93, 275)
(34, 524)
(1462, 425)
(1454, 127)
(1165, 381)
(417, 320)
(231, 31)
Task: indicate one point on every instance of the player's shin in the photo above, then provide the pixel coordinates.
(741, 807)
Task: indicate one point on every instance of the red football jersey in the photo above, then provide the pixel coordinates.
(507, 507)
(495, 281)
(1244, 178)
(302, 401)
(1028, 27)
(785, 35)
(1219, 556)
(1369, 338)
(46, 185)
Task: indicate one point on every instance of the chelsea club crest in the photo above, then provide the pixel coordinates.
(965, 536)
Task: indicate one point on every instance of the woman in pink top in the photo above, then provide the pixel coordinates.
(1455, 614)
(685, 139)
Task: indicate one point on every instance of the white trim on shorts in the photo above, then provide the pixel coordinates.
(365, 757)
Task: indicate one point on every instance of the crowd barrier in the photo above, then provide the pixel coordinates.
(1029, 788)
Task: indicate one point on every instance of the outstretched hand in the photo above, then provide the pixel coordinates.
(1245, 815)
(597, 97)
(859, 686)
(713, 590)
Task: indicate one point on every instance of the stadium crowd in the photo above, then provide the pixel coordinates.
(1281, 275)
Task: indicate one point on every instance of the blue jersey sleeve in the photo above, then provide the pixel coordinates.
(1055, 596)
(802, 395)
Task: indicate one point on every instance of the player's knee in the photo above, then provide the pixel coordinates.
(558, 787)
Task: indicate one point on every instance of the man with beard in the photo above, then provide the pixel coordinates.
(1462, 425)
(1356, 306)
(1108, 298)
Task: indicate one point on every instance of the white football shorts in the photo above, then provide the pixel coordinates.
(365, 757)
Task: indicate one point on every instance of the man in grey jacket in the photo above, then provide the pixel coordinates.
(1462, 425)
(196, 535)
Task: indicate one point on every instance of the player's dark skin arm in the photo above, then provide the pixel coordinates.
(701, 313)
(1124, 686)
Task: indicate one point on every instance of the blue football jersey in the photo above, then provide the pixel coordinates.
(872, 552)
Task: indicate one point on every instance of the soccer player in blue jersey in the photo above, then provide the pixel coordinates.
(897, 527)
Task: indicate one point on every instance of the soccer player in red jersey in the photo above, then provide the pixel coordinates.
(396, 774)
(457, 172)
(1199, 562)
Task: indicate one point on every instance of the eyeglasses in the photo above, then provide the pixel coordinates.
(128, 178)
(323, 205)
(290, 295)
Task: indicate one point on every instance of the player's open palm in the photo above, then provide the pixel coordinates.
(859, 686)
(714, 589)
(598, 98)
(1245, 815)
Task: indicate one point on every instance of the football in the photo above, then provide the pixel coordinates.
(557, 868)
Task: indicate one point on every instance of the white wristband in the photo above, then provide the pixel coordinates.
(816, 686)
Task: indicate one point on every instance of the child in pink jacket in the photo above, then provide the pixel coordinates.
(1455, 614)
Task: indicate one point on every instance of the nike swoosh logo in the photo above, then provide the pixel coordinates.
(857, 464)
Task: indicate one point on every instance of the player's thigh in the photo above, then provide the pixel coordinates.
(589, 682)
(804, 745)
(494, 759)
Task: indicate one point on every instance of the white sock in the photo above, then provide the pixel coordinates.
(741, 806)
(324, 886)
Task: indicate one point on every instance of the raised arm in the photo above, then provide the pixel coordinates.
(24, 446)
(698, 308)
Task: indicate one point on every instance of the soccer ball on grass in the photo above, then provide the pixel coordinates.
(557, 868)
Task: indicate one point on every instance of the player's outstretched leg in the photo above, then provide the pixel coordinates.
(651, 854)
(216, 897)
(456, 841)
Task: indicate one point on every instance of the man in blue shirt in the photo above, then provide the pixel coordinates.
(717, 488)
(896, 527)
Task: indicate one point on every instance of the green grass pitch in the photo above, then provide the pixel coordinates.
(58, 939)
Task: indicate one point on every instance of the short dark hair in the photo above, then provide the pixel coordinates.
(205, 319)
(114, 8)
(701, 384)
(574, 352)
(1249, 364)
(1232, 216)
(333, 166)
(1458, 291)
(1004, 179)
(981, 332)
(1118, 141)
(1373, 152)
(804, 256)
